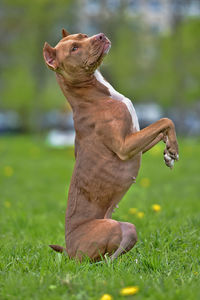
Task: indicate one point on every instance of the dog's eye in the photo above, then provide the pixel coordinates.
(74, 48)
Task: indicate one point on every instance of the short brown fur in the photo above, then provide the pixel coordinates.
(108, 149)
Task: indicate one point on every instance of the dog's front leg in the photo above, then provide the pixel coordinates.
(145, 139)
(159, 138)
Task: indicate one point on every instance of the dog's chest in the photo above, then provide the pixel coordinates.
(115, 95)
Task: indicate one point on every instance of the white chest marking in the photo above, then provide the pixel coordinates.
(119, 97)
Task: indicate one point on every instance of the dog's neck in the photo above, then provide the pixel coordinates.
(93, 91)
(89, 91)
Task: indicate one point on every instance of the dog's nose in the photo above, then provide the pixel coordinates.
(100, 37)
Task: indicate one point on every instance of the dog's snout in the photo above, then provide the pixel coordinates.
(100, 37)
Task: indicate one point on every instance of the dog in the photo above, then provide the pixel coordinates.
(108, 148)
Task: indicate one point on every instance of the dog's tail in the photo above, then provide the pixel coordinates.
(58, 248)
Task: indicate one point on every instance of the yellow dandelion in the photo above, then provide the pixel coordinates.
(131, 290)
(156, 207)
(8, 171)
(196, 273)
(140, 214)
(133, 210)
(145, 182)
(106, 297)
(7, 204)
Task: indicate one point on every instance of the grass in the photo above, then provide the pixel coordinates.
(165, 263)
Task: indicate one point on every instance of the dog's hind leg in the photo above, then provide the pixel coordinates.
(98, 237)
(94, 239)
(129, 239)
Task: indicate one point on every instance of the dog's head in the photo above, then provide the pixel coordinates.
(76, 55)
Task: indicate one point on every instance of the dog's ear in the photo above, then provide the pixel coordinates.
(65, 33)
(49, 54)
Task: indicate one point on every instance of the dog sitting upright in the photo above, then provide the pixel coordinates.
(108, 148)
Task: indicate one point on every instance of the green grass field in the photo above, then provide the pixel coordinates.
(165, 263)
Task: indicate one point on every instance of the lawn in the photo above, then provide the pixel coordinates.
(165, 263)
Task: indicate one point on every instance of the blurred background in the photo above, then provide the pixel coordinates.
(154, 60)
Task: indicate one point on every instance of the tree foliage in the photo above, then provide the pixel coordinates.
(143, 65)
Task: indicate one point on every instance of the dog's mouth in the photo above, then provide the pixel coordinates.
(101, 51)
(106, 47)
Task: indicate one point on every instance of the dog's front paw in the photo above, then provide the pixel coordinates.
(170, 152)
(169, 158)
(168, 161)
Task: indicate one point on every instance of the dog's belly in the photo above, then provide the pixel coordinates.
(104, 179)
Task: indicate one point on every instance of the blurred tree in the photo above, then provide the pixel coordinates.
(20, 93)
(25, 27)
(144, 65)
(176, 69)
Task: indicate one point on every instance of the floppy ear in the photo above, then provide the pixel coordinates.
(49, 54)
(65, 33)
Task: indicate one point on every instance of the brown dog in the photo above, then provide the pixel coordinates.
(108, 148)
